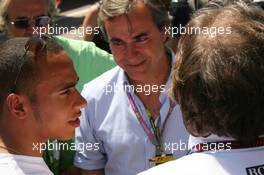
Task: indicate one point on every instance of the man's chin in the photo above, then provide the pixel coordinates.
(66, 137)
(136, 71)
(136, 76)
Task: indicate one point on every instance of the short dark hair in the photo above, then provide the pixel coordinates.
(12, 55)
(218, 81)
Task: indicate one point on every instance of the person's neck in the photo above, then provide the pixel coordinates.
(158, 78)
(11, 143)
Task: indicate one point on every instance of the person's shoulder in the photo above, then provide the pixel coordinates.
(167, 168)
(81, 50)
(69, 42)
(9, 164)
(99, 85)
(23, 165)
(184, 165)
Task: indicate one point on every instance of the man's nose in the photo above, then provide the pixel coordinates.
(80, 101)
(130, 51)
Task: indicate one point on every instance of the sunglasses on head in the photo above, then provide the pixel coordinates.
(25, 22)
(37, 45)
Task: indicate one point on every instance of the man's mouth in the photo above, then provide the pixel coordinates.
(137, 64)
(76, 121)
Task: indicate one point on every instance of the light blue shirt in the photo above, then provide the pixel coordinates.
(109, 120)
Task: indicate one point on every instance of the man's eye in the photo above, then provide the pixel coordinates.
(116, 42)
(141, 39)
(67, 91)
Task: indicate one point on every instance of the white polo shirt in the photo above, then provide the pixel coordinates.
(11, 164)
(248, 161)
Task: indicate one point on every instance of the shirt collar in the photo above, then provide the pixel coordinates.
(172, 58)
(212, 138)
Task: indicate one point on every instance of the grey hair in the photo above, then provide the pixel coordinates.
(113, 8)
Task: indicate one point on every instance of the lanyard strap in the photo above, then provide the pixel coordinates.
(156, 137)
(225, 145)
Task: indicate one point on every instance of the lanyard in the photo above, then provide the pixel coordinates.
(155, 137)
(211, 146)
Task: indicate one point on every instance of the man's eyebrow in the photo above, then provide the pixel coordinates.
(114, 39)
(140, 35)
(69, 85)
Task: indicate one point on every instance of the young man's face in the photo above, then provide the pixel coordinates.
(136, 42)
(58, 103)
(26, 9)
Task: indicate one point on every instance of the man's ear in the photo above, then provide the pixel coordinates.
(165, 36)
(17, 105)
